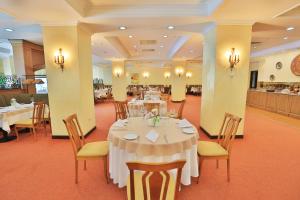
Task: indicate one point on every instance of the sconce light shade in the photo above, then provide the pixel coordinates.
(167, 75)
(179, 71)
(59, 59)
(118, 72)
(146, 74)
(188, 74)
(234, 58)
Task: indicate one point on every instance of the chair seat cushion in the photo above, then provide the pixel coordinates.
(93, 149)
(24, 122)
(139, 187)
(206, 148)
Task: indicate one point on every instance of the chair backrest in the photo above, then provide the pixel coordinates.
(149, 106)
(164, 97)
(228, 130)
(180, 110)
(152, 169)
(38, 113)
(121, 109)
(74, 132)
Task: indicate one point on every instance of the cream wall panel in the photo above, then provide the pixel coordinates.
(267, 67)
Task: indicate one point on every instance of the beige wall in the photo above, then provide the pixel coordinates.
(266, 67)
(119, 84)
(70, 91)
(156, 74)
(221, 92)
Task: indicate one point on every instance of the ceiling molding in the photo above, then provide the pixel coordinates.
(178, 44)
(117, 44)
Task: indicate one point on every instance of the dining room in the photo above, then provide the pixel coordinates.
(144, 99)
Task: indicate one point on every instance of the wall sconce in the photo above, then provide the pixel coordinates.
(167, 75)
(118, 72)
(59, 58)
(233, 58)
(146, 74)
(188, 74)
(179, 71)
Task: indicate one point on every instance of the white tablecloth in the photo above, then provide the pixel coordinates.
(178, 146)
(9, 115)
(136, 107)
(101, 93)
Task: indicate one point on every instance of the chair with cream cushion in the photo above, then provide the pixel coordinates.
(83, 150)
(121, 109)
(35, 122)
(142, 176)
(178, 115)
(222, 148)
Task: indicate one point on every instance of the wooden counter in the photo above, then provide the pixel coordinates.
(275, 102)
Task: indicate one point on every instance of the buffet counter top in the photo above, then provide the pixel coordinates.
(287, 104)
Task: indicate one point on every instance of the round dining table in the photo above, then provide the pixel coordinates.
(170, 145)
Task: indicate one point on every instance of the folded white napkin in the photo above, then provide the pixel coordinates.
(184, 123)
(152, 136)
(120, 123)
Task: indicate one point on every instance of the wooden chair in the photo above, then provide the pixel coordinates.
(141, 187)
(150, 106)
(121, 109)
(83, 150)
(222, 148)
(165, 97)
(179, 112)
(36, 121)
(47, 117)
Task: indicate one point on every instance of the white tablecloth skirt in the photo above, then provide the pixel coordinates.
(119, 171)
(6, 121)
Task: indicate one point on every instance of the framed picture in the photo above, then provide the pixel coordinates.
(295, 66)
(135, 78)
(278, 65)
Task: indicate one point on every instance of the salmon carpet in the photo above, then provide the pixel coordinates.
(265, 164)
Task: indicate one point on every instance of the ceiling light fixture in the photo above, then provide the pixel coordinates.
(9, 29)
(130, 36)
(122, 27)
(165, 36)
(171, 27)
(191, 51)
(161, 46)
(285, 38)
(290, 28)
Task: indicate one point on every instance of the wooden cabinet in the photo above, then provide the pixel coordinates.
(275, 102)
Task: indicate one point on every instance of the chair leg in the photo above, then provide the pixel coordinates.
(84, 164)
(105, 169)
(217, 164)
(199, 168)
(34, 133)
(228, 170)
(17, 133)
(76, 171)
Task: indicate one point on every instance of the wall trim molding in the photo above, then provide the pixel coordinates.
(67, 137)
(216, 136)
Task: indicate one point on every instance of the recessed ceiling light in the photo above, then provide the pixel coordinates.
(8, 29)
(290, 28)
(285, 38)
(171, 27)
(161, 46)
(122, 27)
(130, 36)
(254, 47)
(165, 36)
(191, 51)
(134, 46)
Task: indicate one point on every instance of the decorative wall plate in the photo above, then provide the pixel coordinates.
(272, 77)
(295, 66)
(278, 65)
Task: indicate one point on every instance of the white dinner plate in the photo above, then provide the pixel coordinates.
(188, 130)
(130, 136)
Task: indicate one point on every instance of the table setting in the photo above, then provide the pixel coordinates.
(136, 107)
(145, 139)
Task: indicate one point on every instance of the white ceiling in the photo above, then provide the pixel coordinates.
(148, 20)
